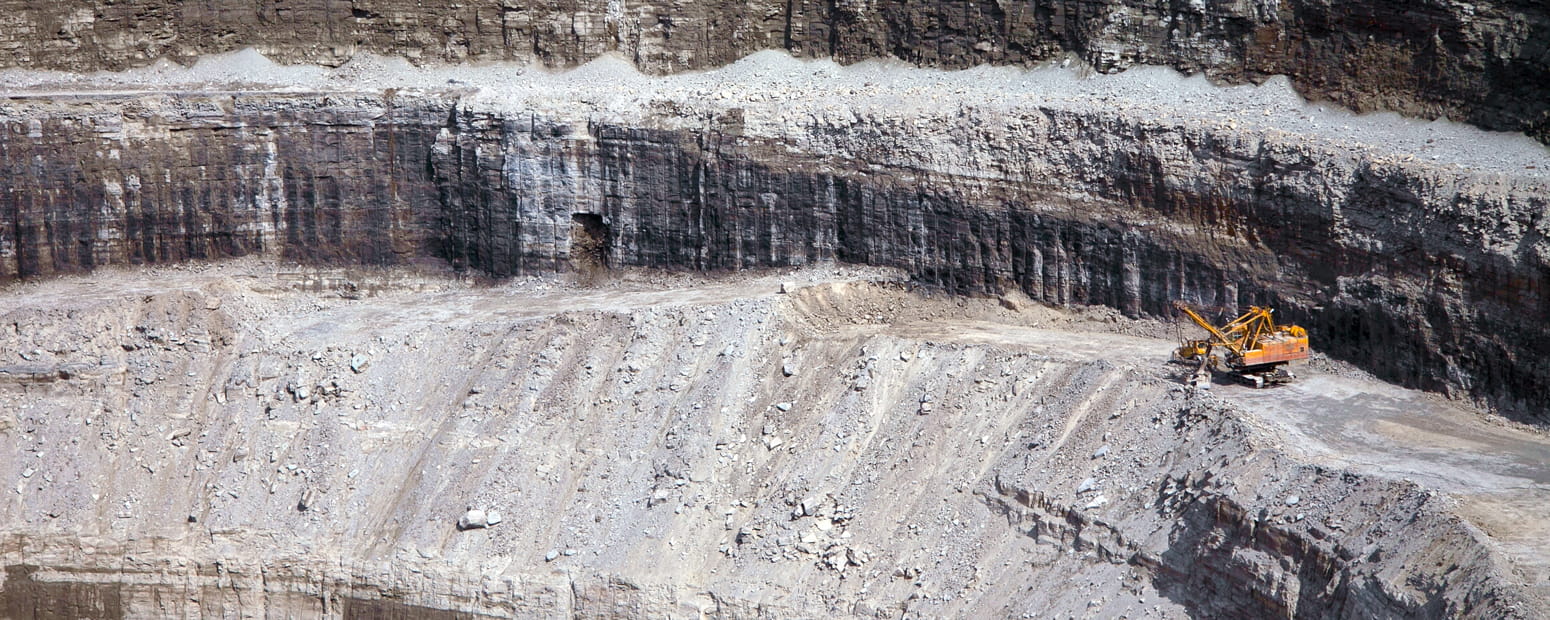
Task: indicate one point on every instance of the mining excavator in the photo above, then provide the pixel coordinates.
(1254, 348)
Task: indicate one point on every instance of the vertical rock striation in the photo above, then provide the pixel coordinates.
(89, 181)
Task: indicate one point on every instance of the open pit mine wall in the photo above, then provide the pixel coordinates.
(1485, 62)
(1431, 276)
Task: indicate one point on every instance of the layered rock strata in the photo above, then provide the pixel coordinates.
(1484, 62)
(1425, 272)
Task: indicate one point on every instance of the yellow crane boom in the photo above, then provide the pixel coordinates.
(1201, 321)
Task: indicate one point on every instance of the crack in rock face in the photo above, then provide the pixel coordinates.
(414, 336)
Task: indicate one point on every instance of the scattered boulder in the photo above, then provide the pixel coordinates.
(308, 499)
(300, 391)
(478, 518)
(474, 518)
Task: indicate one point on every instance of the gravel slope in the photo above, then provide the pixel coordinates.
(186, 439)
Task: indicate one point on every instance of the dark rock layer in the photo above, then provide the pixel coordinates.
(165, 179)
(1487, 63)
(1430, 276)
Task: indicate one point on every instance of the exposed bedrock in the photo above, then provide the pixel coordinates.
(1485, 62)
(1429, 275)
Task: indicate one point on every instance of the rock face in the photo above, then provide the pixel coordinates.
(162, 179)
(1433, 276)
(1483, 62)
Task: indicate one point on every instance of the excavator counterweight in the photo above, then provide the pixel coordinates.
(1253, 347)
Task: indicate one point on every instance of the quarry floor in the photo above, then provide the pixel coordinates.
(705, 441)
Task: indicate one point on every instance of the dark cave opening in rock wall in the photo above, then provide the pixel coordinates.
(589, 239)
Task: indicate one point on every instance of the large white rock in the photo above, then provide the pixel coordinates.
(474, 518)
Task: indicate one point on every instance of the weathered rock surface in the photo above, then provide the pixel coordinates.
(161, 178)
(1423, 271)
(1485, 62)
